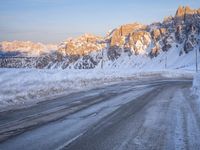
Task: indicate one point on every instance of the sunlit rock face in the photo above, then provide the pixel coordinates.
(83, 52)
(139, 41)
(185, 15)
(82, 45)
(131, 38)
(119, 35)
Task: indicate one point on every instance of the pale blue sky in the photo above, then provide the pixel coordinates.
(52, 21)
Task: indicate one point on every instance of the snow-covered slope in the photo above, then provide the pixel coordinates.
(196, 85)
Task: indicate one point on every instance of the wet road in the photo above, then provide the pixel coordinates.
(149, 114)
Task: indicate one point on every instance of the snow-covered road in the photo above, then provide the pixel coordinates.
(146, 114)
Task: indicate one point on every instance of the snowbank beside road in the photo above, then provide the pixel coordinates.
(28, 86)
(196, 85)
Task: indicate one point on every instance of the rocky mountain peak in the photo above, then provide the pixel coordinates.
(27, 47)
(185, 14)
(124, 30)
(180, 11)
(82, 45)
(185, 10)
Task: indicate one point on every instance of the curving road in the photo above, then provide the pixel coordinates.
(143, 115)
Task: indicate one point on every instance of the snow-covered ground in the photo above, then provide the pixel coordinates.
(196, 85)
(25, 87)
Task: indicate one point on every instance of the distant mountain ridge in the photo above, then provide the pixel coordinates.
(27, 48)
(133, 44)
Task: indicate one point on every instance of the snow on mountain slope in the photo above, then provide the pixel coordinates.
(169, 44)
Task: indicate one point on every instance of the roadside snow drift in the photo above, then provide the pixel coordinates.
(28, 86)
(196, 85)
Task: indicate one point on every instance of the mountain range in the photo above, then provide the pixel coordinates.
(170, 43)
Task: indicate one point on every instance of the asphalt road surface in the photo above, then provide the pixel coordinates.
(133, 115)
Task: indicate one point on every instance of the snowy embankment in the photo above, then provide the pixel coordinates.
(196, 85)
(23, 87)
